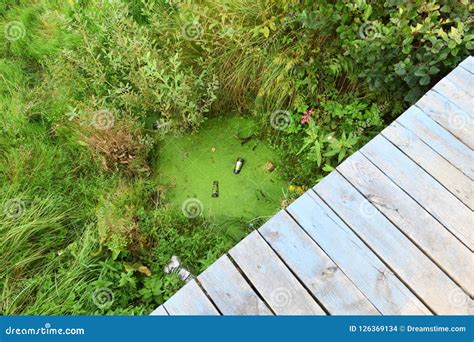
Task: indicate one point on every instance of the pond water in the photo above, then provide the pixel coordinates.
(187, 166)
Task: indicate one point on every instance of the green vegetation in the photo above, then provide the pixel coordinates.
(97, 96)
(189, 164)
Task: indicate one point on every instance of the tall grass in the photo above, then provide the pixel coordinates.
(55, 247)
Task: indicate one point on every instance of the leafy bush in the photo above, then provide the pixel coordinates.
(397, 48)
(122, 65)
(320, 137)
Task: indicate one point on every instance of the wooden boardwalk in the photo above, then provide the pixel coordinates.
(389, 232)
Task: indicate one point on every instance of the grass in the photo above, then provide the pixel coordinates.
(188, 165)
(84, 208)
(69, 226)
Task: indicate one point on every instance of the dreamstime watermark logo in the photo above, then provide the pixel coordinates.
(103, 297)
(458, 298)
(103, 119)
(369, 31)
(367, 209)
(14, 30)
(46, 330)
(163, 125)
(14, 208)
(281, 119)
(458, 120)
(281, 297)
(192, 31)
(192, 208)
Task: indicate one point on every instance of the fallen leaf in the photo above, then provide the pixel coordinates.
(145, 270)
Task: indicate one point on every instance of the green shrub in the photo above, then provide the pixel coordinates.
(122, 65)
(397, 48)
(319, 138)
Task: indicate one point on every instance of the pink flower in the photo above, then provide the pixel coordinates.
(305, 119)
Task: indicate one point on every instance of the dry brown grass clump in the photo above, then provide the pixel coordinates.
(119, 143)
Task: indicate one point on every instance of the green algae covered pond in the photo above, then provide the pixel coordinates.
(188, 166)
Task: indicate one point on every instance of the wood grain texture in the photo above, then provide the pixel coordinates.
(439, 140)
(384, 290)
(468, 64)
(448, 115)
(190, 301)
(463, 80)
(438, 167)
(410, 218)
(438, 201)
(317, 271)
(422, 276)
(452, 92)
(229, 291)
(272, 279)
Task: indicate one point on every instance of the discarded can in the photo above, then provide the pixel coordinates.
(238, 165)
(269, 166)
(215, 189)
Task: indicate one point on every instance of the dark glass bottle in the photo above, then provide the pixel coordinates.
(238, 165)
(215, 189)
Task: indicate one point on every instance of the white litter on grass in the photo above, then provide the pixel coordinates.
(175, 267)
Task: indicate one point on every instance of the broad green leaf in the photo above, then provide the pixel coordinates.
(425, 80)
(265, 31)
(328, 168)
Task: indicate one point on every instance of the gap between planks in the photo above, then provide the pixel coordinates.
(425, 279)
(425, 232)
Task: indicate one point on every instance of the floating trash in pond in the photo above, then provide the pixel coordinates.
(270, 166)
(175, 267)
(215, 189)
(238, 165)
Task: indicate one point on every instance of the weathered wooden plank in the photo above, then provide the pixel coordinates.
(463, 80)
(159, 311)
(468, 64)
(385, 291)
(272, 279)
(404, 258)
(189, 301)
(438, 201)
(448, 115)
(439, 139)
(451, 92)
(229, 291)
(317, 271)
(422, 229)
(438, 167)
